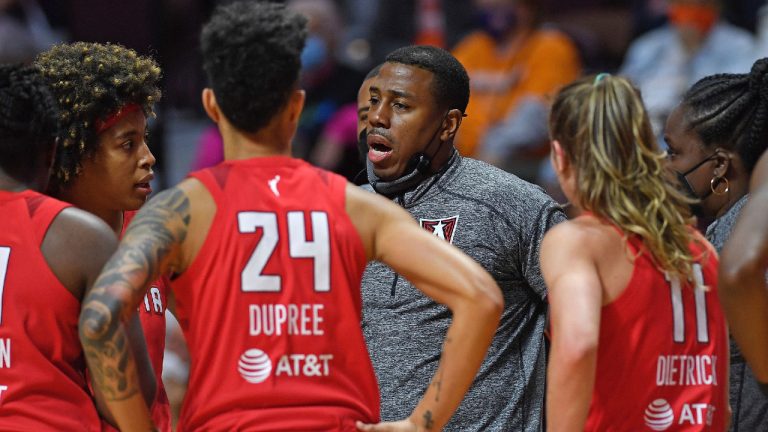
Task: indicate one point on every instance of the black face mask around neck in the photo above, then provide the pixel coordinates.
(417, 170)
(397, 186)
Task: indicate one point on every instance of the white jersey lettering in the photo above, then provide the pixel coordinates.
(291, 319)
(5, 353)
(686, 370)
(308, 365)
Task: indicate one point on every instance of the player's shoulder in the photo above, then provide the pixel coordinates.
(78, 234)
(190, 185)
(76, 222)
(585, 234)
(60, 218)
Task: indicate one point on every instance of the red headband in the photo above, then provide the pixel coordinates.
(107, 122)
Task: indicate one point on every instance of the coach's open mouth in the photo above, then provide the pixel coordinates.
(378, 148)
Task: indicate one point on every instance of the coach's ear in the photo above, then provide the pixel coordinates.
(210, 105)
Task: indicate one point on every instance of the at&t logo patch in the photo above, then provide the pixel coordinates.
(659, 415)
(254, 366)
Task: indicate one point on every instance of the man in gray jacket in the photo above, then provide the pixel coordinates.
(417, 102)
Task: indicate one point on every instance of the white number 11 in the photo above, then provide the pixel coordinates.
(678, 317)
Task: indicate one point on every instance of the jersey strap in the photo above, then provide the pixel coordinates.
(214, 179)
(42, 211)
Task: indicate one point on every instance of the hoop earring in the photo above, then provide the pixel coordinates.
(713, 187)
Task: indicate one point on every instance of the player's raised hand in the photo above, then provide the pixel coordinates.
(403, 425)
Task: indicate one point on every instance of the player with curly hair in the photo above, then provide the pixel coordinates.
(49, 253)
(95, 84)
(103, 165)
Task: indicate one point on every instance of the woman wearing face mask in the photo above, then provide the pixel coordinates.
(103, 164)
(715, 137)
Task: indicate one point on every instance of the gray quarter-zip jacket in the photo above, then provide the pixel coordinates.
(499, 220)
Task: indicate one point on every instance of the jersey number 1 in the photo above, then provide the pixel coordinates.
(252, 278)
(678, 318)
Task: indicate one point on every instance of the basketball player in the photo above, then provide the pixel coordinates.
(638, 337)
(268, 254)
(49, 252)
(103, 164)
(742, 277)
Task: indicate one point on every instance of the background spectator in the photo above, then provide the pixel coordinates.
(694, 43)
(513, 64)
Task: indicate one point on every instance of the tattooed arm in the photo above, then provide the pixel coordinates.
(150, 247)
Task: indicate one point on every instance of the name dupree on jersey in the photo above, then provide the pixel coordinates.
(271, 305)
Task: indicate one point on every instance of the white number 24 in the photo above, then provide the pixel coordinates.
(253, 280)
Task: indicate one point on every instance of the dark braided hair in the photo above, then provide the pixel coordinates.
(731, 111)
(28, 125)
(92, 81)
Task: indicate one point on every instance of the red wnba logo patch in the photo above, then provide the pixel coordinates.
(441, 228)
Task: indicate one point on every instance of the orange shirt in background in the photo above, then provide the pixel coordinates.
(498, 80)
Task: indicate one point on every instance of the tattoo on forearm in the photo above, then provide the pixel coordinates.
(438, 383)
(156, 230)
(428, 422)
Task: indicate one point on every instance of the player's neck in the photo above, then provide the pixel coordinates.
(113, 218)
(263, 143)
(84, 201)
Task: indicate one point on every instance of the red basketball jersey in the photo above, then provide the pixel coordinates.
(42, 367)
(662, 362)
(152, 316)
(271, 305)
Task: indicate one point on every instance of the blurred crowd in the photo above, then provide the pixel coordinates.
(517, 53)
